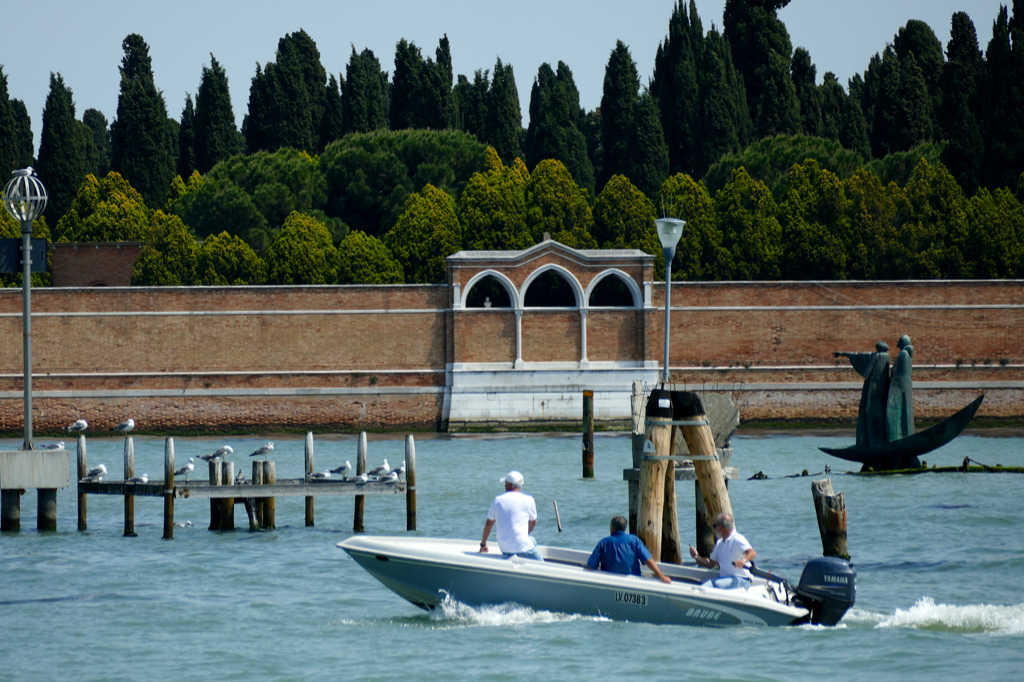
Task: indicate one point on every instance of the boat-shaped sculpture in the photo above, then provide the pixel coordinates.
(903, 453)
(427, 571)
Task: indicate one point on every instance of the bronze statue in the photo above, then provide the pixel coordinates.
(871, 416)
(900, 404)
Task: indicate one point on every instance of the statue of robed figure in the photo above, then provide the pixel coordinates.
(871, 416)
(899, 411)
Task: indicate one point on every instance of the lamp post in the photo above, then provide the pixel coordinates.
(669, 232)
(25, 198)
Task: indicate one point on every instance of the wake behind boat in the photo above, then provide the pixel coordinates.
(426, 570)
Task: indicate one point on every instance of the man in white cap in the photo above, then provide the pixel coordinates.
(515, 514)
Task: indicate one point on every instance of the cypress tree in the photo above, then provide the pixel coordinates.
(853, 133)
(438, 99)
(675, 86)
(1003, 100)
(61, 164)
(405, 86)
(140, 147)
(833, 99)
(471, 103)
(807, 93)
(503, 120)
(97, 123)
(647, 159)
(918, 39)
(618, 111)
(364, 93)
(187, 140)
(554, 133)
(216, 134)
(914, 123)
(23, 133)
(718, 132)
(778, 111)
(333, 126)
(885, 129)
(256, 124)
(9, 154)
(958, 120)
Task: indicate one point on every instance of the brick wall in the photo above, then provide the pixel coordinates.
(94, 264)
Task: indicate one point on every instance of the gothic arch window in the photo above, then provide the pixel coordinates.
(613, 289)
(550, 288)
(488, 292)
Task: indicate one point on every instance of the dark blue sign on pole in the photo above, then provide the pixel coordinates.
(10, 255)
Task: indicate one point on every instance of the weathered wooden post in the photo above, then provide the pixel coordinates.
(227, 505)
(257, 479)
(269, 503)
(10, 510)
(215, 504)
(694, 422)
(705, 532)
(357, 519)
(46, 511)
(410, 483)
(309, 470)
(129, 500)
(639, 411)
(588, 434)
(656, 450)
(168, 489)
(671, 544)
(831, 511)
(83, 467)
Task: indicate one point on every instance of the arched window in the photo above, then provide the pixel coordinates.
(488, 292)
(550, 290)
(611, 292)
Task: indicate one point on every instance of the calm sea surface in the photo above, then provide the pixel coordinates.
(940, 560)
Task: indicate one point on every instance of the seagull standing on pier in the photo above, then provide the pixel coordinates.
(219, 454)
(389, 478)
(343, 470)
(320, 475)
(144, 478)
(52, 446)
(78, 426)
(187, 469)
(361, 478)
(263, 451)
(240, 478)
(125, 426)
(381, 470)
(95, 474)
(399, 470)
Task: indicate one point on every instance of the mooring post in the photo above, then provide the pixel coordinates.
(656, 450)
(10, 510)
(215, 504)
(357, 518)
(671, 544)
(83, 467)
(701, 443)
(257, 479)
(309, 470)
(410, 483)
(705, 541)
(227, 506)
(169, 489)
(831, 511)
(638, 408)
(269, 503)
(588, 434)
(46, 512)
(129, 500)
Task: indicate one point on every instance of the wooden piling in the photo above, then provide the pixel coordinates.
(671, 544)
(657, 442)
(227, 505)
(10, 510)
(639, 411)
(83, 468)
(168, 489)
(410, 483)
(215, 505)
(269, 503)
(831, 511)
(701, 443)
(129, 500)
(705, 541)
(588, 434)
(309, 470)
(357, 518)
(257, 479)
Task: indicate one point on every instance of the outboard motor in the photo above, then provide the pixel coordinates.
(828, 588)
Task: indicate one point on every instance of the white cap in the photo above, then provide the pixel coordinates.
(513, 477)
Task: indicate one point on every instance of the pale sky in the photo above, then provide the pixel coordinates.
(82, 40)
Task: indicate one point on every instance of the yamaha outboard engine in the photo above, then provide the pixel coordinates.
(828, 588)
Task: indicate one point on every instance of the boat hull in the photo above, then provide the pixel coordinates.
(426, 572)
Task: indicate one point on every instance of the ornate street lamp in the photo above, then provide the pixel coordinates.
(669, 232)
(25, 198)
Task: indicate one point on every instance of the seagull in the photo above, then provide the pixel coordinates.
(389, 478)
(187, 469)
(361, 478)
(183, 524)
(343, 470)
(399, 470)
(52, 446)
(240, 478)
(144, 478)
(262, 452)
(78, 426)
(125, 427)
(96, 473)
(220, 453)
(381, 470)
(320, 475)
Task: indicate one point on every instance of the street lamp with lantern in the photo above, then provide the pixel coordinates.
(25, 198)
(669, 232)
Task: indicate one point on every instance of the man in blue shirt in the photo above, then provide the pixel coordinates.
(622, 553)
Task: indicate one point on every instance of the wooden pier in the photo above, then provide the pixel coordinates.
(258, 495)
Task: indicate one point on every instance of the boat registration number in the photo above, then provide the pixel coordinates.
(631, 598)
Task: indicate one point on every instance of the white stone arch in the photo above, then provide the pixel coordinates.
(510, 288)
(581, 301)
(634, 288)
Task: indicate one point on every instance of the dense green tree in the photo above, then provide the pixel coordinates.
(918, 39)
(100, 129)
(590, 126)
(914, 119)
(724, 120)
(440, 78)
(958, 119)
(934, 229)
(109, 210)
(699, 255)
(168, 258)
(853, 131)
(421, 89)
(833, 100)
(882, 89)
(225, 259)
(750, 229)
(624, 219)
(333, 127)
(301, 252)
(364, 93)
(492, 208)
(141, 149)
(557, 205)
(187, 140)
(555, 117)
(778, 110)
(216, 134)
(471, 103)
(1003, 100)
(9, 155)
(503, 120)
(994, 248)
(370, 176)
(23, 133)
(814, 214)
(899, 166)
(618, 111)
(647, 160)
(807, 93)
(178, 189)
(427, 233)
(61, 163)
(362, 259)
(876, 253)
(677, 66)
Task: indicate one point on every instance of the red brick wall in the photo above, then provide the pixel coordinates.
(94, 264)
(488, 336)
(613, 335)
(551, 335)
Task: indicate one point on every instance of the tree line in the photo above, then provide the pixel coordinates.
(354, 153)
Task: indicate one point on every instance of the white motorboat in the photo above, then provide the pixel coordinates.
(425, 571)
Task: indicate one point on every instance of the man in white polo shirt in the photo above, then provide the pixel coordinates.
(730, 556)
(515, 514)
